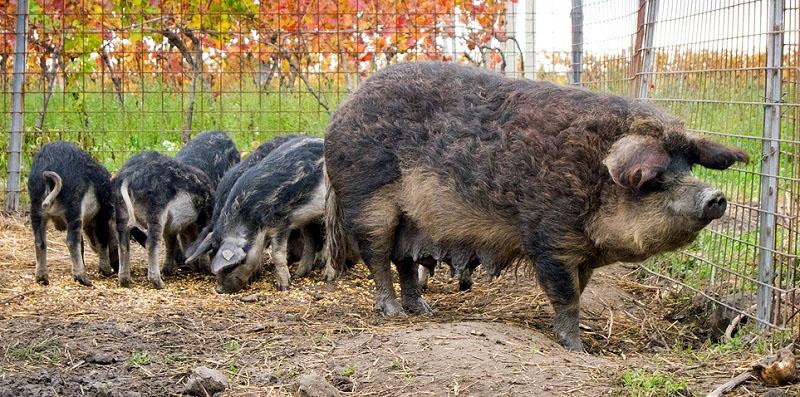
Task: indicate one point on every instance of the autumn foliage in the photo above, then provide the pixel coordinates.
(214, 42)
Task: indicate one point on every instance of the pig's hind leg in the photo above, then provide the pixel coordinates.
(407, 271)
(155, 233)
(309, 252)
(39, 224)
(75, 246)
(100, 245)
(171, 252)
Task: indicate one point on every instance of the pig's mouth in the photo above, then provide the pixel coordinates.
(226, 286)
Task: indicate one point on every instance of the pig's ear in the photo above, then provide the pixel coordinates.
(200, 249)
(228, 255)
(715, 155)
(636, 159)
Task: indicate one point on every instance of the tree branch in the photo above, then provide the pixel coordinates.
(296, 68)
(114, 78)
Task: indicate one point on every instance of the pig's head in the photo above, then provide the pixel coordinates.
(236, 263)
(652, 203)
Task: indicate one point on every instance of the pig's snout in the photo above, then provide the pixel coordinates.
(714, 205)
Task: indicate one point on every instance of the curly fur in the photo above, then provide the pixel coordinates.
(67, 186)
(516, 168)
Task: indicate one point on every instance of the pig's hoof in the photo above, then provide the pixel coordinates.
(43, 279)
(283, 288)
(573, 344)
(83, 280)
(464, 285)
(391, 308)
(106, 272)
(168, 270)
(417, 306)
(301, 271)
(125, 282)
(156, 282)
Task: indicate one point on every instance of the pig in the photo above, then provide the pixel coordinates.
(284, 191)
(229, 179)
(213, 152)
(67, 186)
(166, 199)
(561, 178)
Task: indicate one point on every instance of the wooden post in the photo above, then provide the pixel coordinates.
(17, 108)
(636, 59)
(530, 39)
(648, 54)
(576, 77)
(770, 153)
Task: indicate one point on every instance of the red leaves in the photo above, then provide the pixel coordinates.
(231, 34)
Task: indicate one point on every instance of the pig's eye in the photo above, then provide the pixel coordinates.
(656, 184)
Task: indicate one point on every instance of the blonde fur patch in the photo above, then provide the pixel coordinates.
(441, 213)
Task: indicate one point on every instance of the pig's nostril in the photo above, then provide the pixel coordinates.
(715, 207)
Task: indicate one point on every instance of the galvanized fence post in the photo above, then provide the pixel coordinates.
(576, 15)
(647, 51)
(510, 50)
(17, 122)
(530, 39)
(770, 152)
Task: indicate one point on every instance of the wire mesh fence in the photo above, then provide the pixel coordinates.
(121, 78)
(729, 70)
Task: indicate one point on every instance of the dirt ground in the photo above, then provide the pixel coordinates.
(67, 340)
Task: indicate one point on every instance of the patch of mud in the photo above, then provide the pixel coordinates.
(469, 358)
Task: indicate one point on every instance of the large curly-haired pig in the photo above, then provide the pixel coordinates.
(563, 178)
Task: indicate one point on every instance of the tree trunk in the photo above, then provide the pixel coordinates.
(3, 74)
(114, 78)
(197, 72)
(49, 75)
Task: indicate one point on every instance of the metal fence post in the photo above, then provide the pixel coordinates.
(647, 51)
(576, 77)
(17, 122)
(770, 152)
(530, 39)
(510, 51)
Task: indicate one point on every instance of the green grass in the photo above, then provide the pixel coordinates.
(348, 371)
(91, 116)
(45, 350)
(231, 368)
(643, 383)
(232, 345)
(141, 359)
(174, 359)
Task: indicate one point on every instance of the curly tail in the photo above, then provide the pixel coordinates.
(338, 247)
(126, 198)
(57, 184)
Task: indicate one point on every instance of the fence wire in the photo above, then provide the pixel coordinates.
(119, 79)
(708, 63)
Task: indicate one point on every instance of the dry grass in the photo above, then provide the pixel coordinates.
(493, 340)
